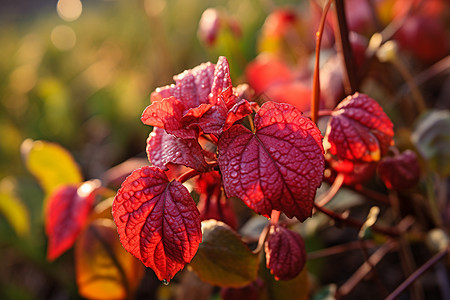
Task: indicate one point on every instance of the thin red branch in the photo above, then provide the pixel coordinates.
(316, 79)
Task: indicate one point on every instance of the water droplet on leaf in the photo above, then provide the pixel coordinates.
(165, 282)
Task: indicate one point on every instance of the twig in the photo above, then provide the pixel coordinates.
(350, 246)
(316, 78)
(393, 232)
(365, 268)
(345, 50)
(414, 276)
(337, 183)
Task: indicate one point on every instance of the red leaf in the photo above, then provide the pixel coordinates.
(167, 114)
(192, 87)
(354, 172)
(163, 148)
(359, 130)
(200, 99)
(401, 171)
(279, 167)
(157, 221)
(285, 253)
(67, 210)
(212, 203)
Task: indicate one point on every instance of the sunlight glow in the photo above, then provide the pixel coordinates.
(63, 37)
(69, 10)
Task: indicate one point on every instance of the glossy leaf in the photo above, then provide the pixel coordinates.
(51, 164)
(199, 101)
(157, 220)
(285, 253)
(358, 130)
(104, 270)
(163, 148)
(353, 172)
(401, 171)
(432, 139)
(12, 208)
(280, 166)
(222, 258)
(67, 212)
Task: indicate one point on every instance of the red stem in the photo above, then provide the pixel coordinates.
(274, 216)
(187, 175)
(316, 79)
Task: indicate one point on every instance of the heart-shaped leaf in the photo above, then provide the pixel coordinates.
(285, 253)
(279, 166)
(104, 270)
(157, 220)
(359, 130)
(222, 258)
(67, 211)
(163, 148)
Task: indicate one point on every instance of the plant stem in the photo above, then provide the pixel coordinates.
(365, 268)
(337, 183)
(350, 246)
(316, 79)
(393, 232)
(274, 216)
(344, 49)
(414, 276)
(188, 175)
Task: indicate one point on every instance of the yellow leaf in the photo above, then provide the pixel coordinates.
(12, 208)
(104, 270)
(51, 164)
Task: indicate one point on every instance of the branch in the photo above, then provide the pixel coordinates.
(419, 272)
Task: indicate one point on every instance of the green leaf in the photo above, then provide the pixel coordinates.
(51, 164)
(222, 258)
(12, 207)
(432, 139)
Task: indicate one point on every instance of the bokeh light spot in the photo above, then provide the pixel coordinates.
(69, 10)
(63, 37)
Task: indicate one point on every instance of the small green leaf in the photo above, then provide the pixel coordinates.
(12, 208)
(432, 139)
(51, 164)
(222, 258)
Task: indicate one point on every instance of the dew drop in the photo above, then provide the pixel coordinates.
(233, 174)
(276, 155)
(178, 154)
(165, 282)
(135, 183)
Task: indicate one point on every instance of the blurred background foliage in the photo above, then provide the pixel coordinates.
(80, 74)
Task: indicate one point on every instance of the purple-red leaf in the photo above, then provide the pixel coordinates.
(199, 100)
(280, 166)
(157, 220)
(285, 253)
(163, 148)
(167, 114)
(401, 171)
(67, 210)
(359, 130)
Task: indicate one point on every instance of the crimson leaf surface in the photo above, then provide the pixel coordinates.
(157, 220)
(279, 166)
